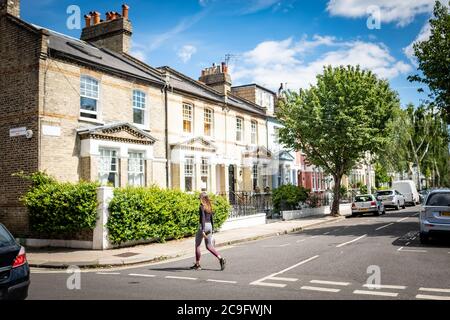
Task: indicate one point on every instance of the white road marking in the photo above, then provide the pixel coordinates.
(348, 242)
(268, 284)
(284, 279)
(109, 273)
(327, 232)
(414, 215)
(331, 282)
(428, 297)
(260, 282)
(383, 286)
(390, 224)
(402, 219)
(435, 290)
(305, 239)
(376, 293)
(181, 278)
(320, 289)
(402, 249)
(407, 244)
(221, 281)
(314, 237)
(276, 245)
(142, 275)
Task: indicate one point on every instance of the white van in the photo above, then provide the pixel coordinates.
(408, 189)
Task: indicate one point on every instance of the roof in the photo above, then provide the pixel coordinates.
(184, 83)
(254, 85)
(84, 52)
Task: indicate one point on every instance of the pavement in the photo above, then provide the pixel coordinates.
(369, 257)
(63, 258)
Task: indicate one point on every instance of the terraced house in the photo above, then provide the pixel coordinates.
(86, 109)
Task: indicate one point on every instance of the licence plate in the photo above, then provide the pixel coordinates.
(445, 214)
(363, 209)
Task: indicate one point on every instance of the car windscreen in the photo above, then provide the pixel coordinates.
(5, 238)
(384, 193)
(439, 199)
(363, 198)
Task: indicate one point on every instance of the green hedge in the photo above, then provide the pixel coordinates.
(287, 197)
(158, 214)
(57, 208)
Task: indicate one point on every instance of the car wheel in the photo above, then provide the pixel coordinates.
(404, 205)
(397, 207)
(377, 213)
(424, 238)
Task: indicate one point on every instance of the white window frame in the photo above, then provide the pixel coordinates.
(86, 95)
(116, 172)
(140, 173)
(211, 121)
(140, 108)
(240, 130)
(254, 132)
(190, 118)
(189, 160)
(255, 173)
(205, 172)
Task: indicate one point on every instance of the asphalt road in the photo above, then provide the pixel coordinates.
(357, 258)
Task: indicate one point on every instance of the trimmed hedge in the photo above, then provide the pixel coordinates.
(57, 208)
(158, 214)
(288, 197)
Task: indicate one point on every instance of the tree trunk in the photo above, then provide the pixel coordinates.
(336, 196)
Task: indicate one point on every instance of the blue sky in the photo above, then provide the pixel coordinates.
(272, 41)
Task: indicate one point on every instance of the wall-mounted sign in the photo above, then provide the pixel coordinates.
(51, 131)
(17, 132)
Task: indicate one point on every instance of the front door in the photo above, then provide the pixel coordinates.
(232, 184)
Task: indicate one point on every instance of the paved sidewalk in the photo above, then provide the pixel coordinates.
(59, 258)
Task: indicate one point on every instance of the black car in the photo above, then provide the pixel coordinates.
(14, 269)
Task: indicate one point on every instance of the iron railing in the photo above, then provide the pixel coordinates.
(244, 203)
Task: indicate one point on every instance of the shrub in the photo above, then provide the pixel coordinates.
(158, 214)
(313, 200)
(56, 208)
(288, 197)
(363, 189)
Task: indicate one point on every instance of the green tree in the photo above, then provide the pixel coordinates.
(338, 120)
(433, 56)
(381, 175)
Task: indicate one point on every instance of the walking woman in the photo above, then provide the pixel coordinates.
(205, 231)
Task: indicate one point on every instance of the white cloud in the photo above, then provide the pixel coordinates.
(401, 12)
(139, 54)
(186, 52)
(273, 62)
(240, 7)
(423, 35)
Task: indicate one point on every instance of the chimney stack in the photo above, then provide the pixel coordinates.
(217, 77)
(125, 10)
(114, 33)
(88, 20)
(10, 6)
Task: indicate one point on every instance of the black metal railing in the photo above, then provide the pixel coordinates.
(245, 203)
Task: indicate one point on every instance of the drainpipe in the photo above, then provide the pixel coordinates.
(166, 110)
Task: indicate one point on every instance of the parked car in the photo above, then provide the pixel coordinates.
(435, 214)
(392, 199)
(408, 189)
(14, 269)
(423, 195)
(367, 203)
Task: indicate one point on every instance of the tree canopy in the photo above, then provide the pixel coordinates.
(339, 120)
(433, 57)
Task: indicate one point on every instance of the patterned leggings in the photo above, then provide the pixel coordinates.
(208, 242)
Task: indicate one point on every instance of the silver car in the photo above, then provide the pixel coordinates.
(367, 203)
(392, 199)
(435, 214)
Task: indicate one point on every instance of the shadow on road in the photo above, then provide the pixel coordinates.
(404, 233)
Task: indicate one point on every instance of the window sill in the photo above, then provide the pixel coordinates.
(142, 127)
(240, 144)
(95, 121)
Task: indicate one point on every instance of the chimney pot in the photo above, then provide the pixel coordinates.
(96, 18)
(125, 11)
(88, 18)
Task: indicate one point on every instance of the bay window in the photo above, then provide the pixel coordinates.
(136, 169)
(108, 168)
(189, 173)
